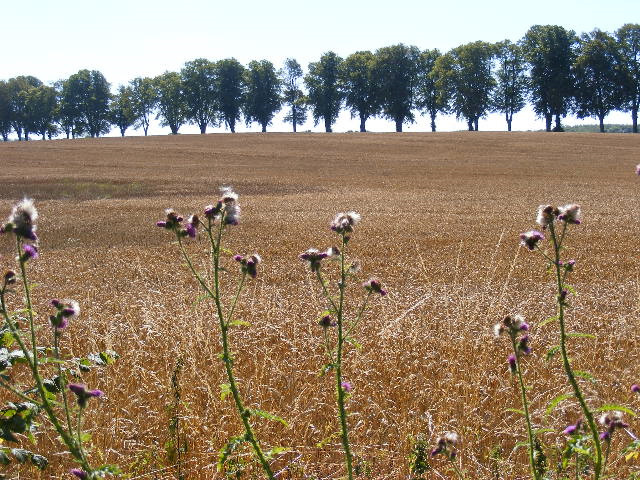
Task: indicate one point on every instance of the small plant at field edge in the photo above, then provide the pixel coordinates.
(514, 327)
(558, 221)
(447, 446)
(63, 402)
(337, 326)
(217, 221)
(419, 458)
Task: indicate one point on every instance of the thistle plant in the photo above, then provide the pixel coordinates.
(63, 402)
(558, 221)
(516, 329)
(217, 222)
(338, 325)
(447, 446)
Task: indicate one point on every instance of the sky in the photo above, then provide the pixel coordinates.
(52, 40)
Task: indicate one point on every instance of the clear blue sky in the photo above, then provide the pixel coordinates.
(125, 39)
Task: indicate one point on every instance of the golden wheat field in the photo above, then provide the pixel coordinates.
(441, 214)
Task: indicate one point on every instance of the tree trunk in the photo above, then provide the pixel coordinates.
(601, 118)
(363, 120)
(509, 118)
(634, 119)
(470, 124)
(294, 116)
(44, 135)
(146, 129)
(122, 130)
(508, 125)
(264, 128)
(399, 124)
(26, 136)
(232, 126)
(174, 129)
(5, 137)
(203, 128)
(475, 124)
(558, 127)
(547, 119)
(327, 125)
(433, 122)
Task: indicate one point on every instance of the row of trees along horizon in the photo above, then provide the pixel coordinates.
(554, 69)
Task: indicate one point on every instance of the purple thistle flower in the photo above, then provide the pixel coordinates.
(344, 222)
(161, 224)
(569, 213)
(78, 472)
(638, 169)
(191, 230)
(635, 388)
(249, 264)
(605, 436)
(545, 216)
(346, 386)
(373, 285)
(523, 345)
(82, 394)
(511, 359)
(327, 321)
(531, 239)
(29, 252)
(314, 257)
(10, 277)
(22, 220)
(571, 429)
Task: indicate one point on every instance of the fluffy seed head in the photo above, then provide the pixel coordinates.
(531, 239)
(545, 216)
(569, 213)
(22, 220)
(345, 222)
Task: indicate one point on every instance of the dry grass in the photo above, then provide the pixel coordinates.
(441, 214)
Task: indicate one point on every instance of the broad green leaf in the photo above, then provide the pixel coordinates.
(585, 375)
(225, 390)
(611, 407)
(514, 410)
(556, 401)
(268, 416)
(580, 335)
(552, 352)
(569, 288)
(353, 342)
(276, 451)
(239, 323)
(548, 320)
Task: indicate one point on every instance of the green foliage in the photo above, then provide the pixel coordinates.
(359, 86)
(549, 50)
(172, 108)
(19, 116)
(5, 111)
(396, 73)
(144, 98)
(430, 97)
(86, 96)
(22, 456)
(325, 96)
(292, 95)
(509, 96)
(263, 93)
(628, 38)
(230, 89)
(17, 418)
(198, 82)
(122, 109)
(419, 457)
(597, 74)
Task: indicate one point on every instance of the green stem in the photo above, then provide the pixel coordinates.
(565, 357)
(328, 296)
(525, 407)
(62, 377)
(18, 393)
(341, 393)
(226, 356)
(355, 323)
(235, 299)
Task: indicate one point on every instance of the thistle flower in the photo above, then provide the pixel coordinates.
(82, 394)
(571, 429)
(612, 420)
(192, 226)
(511, 360)
(78, 472)
(523, 345)
(227, 195)
(314, 257)
(346, 386)
(212, 212)
(249, 264)
(172, 222)
(513, 325)
(327, 321)
(67, 309)
(10, 278)
(531, 239)
(635, 388)
(22, 220)
(373, 285)
(569, 213)
(638, 169)
(545, 216)
(229, 199)
(344, 222)
(446, 445)
(28, 252)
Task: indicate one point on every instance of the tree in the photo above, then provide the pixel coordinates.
(144, 98)
(198, 80)
(121, 109)
(325, 96)
(511, 87)
(292, 95)
(172, 108)
(230, 89)
(549, 50)
(41, 103)
(396, 73)
(360, 89)
(89, 95)
(465, 74)
(69, 114)
(597, 74)
(19, 116)
(628, 37)
(429, 97)
(5, 111)
(263, 93)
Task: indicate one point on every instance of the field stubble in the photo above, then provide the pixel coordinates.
(441, 218)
